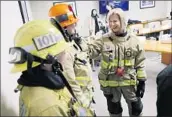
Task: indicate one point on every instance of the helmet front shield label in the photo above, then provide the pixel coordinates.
(45, 41)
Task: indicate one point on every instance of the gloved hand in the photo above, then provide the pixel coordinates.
(140, 89)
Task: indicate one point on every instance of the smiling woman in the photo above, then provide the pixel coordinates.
(122, 66)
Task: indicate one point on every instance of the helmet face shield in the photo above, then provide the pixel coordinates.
(62, 18)
(64, 14)
(17, 55)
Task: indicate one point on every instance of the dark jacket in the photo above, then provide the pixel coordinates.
(164, 92)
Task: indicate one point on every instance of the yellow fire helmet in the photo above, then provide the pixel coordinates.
(38, 38)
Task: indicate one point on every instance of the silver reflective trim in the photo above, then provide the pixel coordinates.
(29, 48)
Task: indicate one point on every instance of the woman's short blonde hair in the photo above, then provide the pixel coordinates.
(121, 14)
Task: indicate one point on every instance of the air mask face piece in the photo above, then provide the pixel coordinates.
(71, 29)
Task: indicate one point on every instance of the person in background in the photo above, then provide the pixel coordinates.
(76, 67)
(96, 26)
(164, 92)
(96, 29)
(122, 70)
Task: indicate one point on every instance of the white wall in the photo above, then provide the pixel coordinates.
(135, 12)
(169, 8)
(29, 10)
(10, 21)
(40, 11)
(84, 13)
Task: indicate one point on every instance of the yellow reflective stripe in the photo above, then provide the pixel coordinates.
(82, 84)
(103, 83)
(117, 83)
(129, 62)
(82, 80)
(106, 65)
(127, 82)
(113, 83)
(115, 63)
(141, 74)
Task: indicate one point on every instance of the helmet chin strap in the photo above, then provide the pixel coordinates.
(31, 58)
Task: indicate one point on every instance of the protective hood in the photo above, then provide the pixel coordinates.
(121, 15)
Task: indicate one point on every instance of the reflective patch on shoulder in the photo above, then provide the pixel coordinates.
(23, 109)
(47, 40)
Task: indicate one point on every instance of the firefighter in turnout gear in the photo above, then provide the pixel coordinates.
(44, 90)
(122, 67)
(76, 67)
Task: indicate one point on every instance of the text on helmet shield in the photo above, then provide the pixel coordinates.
(45, 41)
